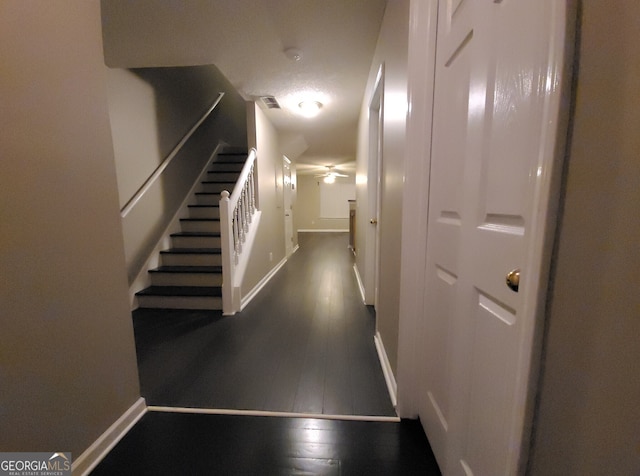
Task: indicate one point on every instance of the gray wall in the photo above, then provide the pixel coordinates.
(588, 421)
(67, 358)
(151, 109)
(306, 215)
(391, 50)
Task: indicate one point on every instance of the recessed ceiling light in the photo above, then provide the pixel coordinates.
(310, 108)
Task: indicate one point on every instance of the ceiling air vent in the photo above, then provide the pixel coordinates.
(270, 101)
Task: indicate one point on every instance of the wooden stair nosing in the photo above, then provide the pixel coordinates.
(183, 291)
(200, 219)
(193, 251)
(197, 234)
(188, 269)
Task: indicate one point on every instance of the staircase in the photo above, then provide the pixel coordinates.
(190, 275)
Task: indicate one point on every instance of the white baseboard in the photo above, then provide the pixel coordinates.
(323, 231)
(224, 411)
(90, 458)
(360, 285)
(386, 369)
(261, 284)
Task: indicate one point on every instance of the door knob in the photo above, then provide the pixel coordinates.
(513, 280)
(373, 221)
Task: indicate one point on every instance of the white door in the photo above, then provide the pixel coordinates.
(493, 193)
(288, 209)
(376, 122)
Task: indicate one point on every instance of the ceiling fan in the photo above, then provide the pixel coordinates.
(331, 174)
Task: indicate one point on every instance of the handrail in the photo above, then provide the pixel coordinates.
(236, 214)
(165, 163)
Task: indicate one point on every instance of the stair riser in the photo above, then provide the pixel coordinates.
(191, 260)
(226, 176)
(208, 199)
(235, 168)
(195, 242)
(197, 212)
(216, 187)
(208, 226)
(180, 302)
(238, 159)
(186, 279)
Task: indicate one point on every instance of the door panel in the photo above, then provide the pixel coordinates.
(451, 104)
(497, 68)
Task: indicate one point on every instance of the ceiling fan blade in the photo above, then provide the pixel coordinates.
(339, 175)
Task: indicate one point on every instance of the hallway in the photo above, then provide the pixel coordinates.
(303, 345)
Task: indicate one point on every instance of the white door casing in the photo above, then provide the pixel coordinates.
(288, 209)
(498, 138)
(374, 177)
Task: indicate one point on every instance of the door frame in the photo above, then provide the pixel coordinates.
(374, 188)
(287, 201)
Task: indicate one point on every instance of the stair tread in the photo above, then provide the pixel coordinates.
(191, 291)
(188, 251)
(205, 234)
(187, 269)
(199, 219)
(217, 181)
(203, 206)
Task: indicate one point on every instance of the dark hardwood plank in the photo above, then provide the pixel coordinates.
(175, 443)
(304, 344)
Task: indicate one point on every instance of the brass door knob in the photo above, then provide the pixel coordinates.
(513, 280)
(373, 221)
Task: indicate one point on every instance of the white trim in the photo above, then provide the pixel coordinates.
(386, 369)
(222, 411)
(415, 207)
(309, 230)
(95, 453)
(247, 246)
(360, 285)
(261, 284)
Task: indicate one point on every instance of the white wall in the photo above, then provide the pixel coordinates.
(269, 249)
(151, 109)
(392, 51)
(588, 419)
(307, 212)
(67, 359)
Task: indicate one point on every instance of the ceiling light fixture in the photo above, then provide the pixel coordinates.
(310, 108)
(329, 178)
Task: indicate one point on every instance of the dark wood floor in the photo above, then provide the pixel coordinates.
(304, 344)
(181, 444)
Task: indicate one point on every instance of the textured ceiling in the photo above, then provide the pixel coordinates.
(246, 40)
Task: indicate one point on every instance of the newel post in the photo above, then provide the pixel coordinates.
(227, 245)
